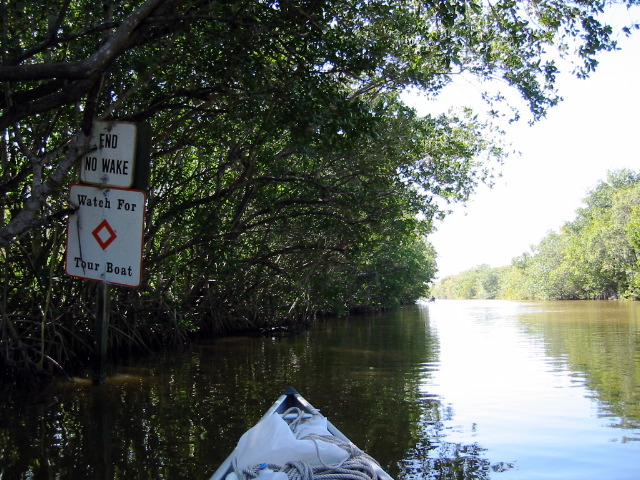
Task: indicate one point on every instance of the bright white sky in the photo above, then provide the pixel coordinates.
(595, 129)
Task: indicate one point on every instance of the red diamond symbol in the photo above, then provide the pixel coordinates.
(104, 234)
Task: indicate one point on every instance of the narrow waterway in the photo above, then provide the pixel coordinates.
(445, 390)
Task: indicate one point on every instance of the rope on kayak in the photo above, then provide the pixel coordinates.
(295, 423)
(357, 466)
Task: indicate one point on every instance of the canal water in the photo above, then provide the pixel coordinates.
(445, 390)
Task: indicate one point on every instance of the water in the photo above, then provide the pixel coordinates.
(449, 390)
(551, 389)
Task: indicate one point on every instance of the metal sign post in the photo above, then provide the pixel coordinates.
(105, 234)
(103, 309)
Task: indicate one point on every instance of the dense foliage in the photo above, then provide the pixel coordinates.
(287, 176)
(595, 256)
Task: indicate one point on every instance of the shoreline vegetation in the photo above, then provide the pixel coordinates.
(287, 178)
(596, 256)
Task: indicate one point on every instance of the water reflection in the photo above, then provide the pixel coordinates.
(472, 390)
(532, 384)
(599, 343)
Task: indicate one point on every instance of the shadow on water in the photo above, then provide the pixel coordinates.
(178, 416)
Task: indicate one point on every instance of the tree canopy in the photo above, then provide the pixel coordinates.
(288, 177)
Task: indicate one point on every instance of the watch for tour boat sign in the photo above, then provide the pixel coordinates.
(105, 233)
(104, 237)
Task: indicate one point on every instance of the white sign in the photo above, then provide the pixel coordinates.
(104, 236)
(113, 161)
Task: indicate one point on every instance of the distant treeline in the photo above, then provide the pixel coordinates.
(595, 256)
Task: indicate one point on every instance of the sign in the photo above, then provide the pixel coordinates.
(104, 236)
(112, 162)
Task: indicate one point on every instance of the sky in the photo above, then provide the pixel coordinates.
(594, 130)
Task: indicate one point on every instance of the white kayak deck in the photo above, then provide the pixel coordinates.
(294, 441)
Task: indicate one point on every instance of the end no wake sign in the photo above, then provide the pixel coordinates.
(112, 163)
(104, 236)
